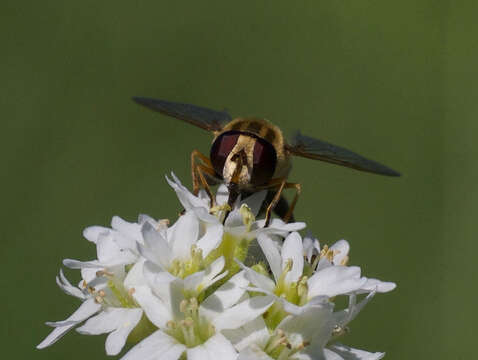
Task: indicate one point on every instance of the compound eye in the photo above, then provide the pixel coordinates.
(265, 160)
(221, 148)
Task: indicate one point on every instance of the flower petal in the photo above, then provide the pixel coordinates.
(253, 353)
(156, 346)
(156, 310)
(135, 276)
(156, 247)
(378, 286)
(254, 202)
(216, 347)
(159, 281)
(343, 317)
(335, 280)
(258, 280)
(311, 246)
(110, 253)
(279, 227)
(272, 254)
(222, 194)
(254, 332)
(128, 229)
(225, 296)
(330, 355)
(116, 339)
(211, 239)
(66, 286)
(348, 353)
(292, 249)
(186, 198)
(86, 309)
(119, 322)
(313, 326)
(77, 264)
(213, 273)
(92, 233)
(184, 234)
(340, 250)
(88, 274)
(242, 313)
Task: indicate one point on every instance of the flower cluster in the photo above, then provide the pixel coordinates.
(206, 288)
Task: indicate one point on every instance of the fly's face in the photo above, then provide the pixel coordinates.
(243, 159)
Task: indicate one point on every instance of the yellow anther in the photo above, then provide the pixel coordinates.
(218, 208)
(98, 299)
(344, 261)
(102, 293)
(101, 273)
(183, 306)
(327, 253)
(163, 223)
(339, 330)
(248, 217)
(131, 291)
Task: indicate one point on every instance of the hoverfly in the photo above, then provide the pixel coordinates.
(250, 154)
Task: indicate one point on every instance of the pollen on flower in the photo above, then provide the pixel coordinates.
(220, 210)
(163, 223)
(248, 217)
(327, 253)
(294, 292)
(345, 260)
(340, 331)
(101, 273)
(193, 329)
(183, 268)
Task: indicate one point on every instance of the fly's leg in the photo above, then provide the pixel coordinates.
(198, 172)
(298, 189)
(273, 203)
(281, 184)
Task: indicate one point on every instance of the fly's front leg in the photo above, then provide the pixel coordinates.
(196, 154)
(198, 171)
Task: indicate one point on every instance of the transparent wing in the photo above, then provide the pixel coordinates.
(311, 148)
(204, 118)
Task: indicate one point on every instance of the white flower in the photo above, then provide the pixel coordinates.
(302, 320)
(107, 306)
(178, 292)
(115, 246)
(187, 326)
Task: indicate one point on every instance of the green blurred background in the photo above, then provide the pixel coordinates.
(393, 80)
